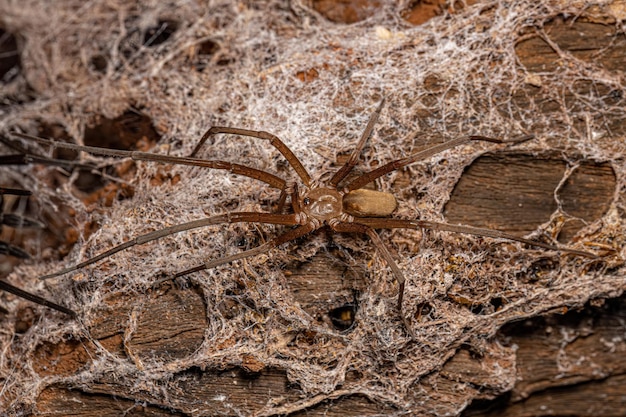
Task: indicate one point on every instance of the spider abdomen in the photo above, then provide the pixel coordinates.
(369, 203)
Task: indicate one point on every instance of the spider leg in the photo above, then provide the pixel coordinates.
(291, 190)
(387, 256)
(8, 249)
(253, 173)
(295, 200)
(26, 157)
(400, 163)
(378, 223)
(280, 206)
(274, 140)
(15, 220)
(288, 236)
(13, 191)
(236, 217)
(13, 160)
(34, 298)
(356, 153)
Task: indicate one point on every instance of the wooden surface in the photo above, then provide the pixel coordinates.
(509, 191)
(584, 375)
(171, 322)
(515, 192)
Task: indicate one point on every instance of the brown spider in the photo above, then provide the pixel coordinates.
(320, 202)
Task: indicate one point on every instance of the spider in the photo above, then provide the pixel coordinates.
(326, 201)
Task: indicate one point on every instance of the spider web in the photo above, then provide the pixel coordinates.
(283, 68)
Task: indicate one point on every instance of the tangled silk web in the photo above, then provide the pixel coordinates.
(281, 67)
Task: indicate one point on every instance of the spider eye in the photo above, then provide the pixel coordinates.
(306, 201)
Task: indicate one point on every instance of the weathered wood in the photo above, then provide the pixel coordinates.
(56, 401)
(516, 193)
(574, 364)
(571, 364)
(170, 322)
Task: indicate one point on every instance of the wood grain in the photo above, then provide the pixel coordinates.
(515, 192)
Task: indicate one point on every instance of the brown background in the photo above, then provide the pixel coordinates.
(558, 359)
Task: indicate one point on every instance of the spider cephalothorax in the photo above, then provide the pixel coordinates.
(323, 204)
(342, 205)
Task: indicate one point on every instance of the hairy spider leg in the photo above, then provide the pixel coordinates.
(246, 171)
(418, 156)
(286, 237)
(387, 256)
(226, 218)
(378, 223)
(12, 250)
(274, 140)
(356, 153)
(14, 191)
(253, 173)
(34, 298)
(26, 157)
(16, 220)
